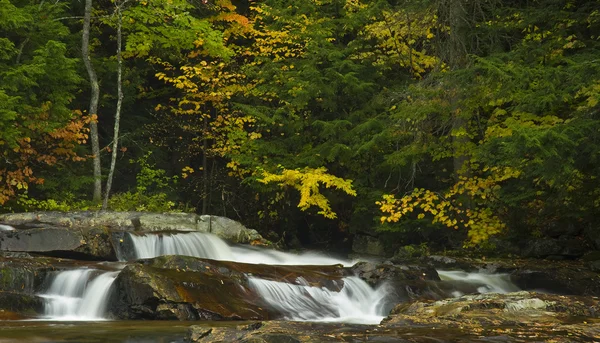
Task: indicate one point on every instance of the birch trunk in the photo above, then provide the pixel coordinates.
(115, 145)
(94, 97)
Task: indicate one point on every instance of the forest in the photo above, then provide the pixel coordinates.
(430, 124)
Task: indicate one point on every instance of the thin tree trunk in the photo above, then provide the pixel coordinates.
(113, 160)
(205, 168)
(94, 97)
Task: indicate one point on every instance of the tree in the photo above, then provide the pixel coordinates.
(38, 127)
(113, 161)
(94, 98)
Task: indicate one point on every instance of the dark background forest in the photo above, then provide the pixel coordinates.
(416, 124)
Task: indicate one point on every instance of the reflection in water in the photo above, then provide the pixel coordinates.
(95, 332)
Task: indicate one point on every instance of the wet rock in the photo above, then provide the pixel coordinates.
(144, 292)
(271, 332)
(228, 229)
(23, 275)
(377, 273)
(404, 282)
(365, 244)
(404, 331)
(576, 280)
(574, 277)
(497, 309)
(16, 304)
(329, 277)
(189, 288)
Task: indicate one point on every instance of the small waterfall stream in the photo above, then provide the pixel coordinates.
(81, 294)
(465, 282)
(206, 245)
(78, 294)
(357, 302)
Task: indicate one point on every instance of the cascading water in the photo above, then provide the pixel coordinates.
(78, 294)
(189, 244)
(4, 227)
(357, 302)
(206, 245)
(481, 282)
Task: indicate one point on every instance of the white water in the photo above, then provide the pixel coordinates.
(206, 245)
(357, 302)
(485, 283)
(78, 294)
(6, 227)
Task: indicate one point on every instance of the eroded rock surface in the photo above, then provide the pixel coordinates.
(100, 235)
(562, 277)
(189, 288)
(515, 317)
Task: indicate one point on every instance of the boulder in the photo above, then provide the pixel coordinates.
(554, 326)
(88, 244)
(225, 228)
(228, 229)
(508, 317)
(575, 279)
(571, 277)
(16, 305)
(189, 288)
(144, 292)
(494, 309)
(24, 274)
(166, 222)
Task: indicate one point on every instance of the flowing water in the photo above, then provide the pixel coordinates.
(81, 294)
(357, 302)
(6, 228)
(78, 294)
(206, 245)
(465, 282)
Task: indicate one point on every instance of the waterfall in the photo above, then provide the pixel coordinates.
(206, 245)
(79, 294)
(480, 282)
(190, 244)
(357, 302)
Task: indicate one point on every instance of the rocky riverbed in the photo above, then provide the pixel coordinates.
(553, 301)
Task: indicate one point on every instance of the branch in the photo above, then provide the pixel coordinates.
(80, 17)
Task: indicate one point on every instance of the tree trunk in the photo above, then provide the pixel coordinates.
(94, 97)
(205, 168)
(115, 145)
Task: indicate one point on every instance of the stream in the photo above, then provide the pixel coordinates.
(300, 293)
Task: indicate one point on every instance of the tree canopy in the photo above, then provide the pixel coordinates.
(312, 119)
